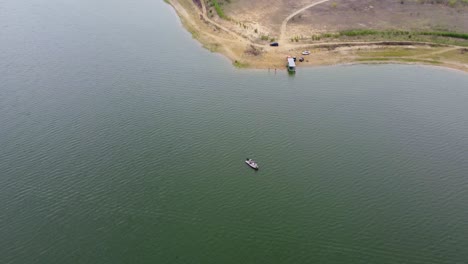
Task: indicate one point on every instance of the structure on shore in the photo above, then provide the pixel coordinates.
(291, 65)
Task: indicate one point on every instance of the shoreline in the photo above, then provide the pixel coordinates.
(244, 53)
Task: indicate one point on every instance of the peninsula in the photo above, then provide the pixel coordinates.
(334, 31)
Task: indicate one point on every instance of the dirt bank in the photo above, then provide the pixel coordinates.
(245, 51)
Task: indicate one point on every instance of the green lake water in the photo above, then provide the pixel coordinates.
(123, 141)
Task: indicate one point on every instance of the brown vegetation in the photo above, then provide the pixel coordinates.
(198, 3)
(253, 50)
(411, 15)
(336, 31)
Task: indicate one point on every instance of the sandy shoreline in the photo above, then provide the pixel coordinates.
(243, 53)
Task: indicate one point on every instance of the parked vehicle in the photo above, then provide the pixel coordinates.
(274, 44)
(291, 65)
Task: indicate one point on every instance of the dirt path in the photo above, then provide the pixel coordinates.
(205, 16)
(332, 45)
(182, 12)
(218, 36)
(225, 29)
(246, 41)
(286, 20)
(189, 19)
(434, 53)
(203, 7)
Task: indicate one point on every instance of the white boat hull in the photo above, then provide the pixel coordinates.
(252, 164)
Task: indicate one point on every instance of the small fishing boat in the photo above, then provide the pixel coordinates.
(251, 163)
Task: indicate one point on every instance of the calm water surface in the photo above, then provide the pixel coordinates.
(122, 141)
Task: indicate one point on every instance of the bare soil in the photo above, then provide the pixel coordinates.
(411, 15)
(244, 35)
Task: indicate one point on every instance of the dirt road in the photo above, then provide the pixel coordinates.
(220, 37)
(286, 20)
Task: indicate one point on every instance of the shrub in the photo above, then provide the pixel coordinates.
(218, 9)
(446, 34)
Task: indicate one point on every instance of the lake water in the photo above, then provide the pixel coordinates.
(123, 141)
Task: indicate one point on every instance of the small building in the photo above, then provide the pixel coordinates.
(291, 65)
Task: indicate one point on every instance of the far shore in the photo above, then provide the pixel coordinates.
(244, 53)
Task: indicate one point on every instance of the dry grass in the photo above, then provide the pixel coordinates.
(407, 60)
(394, 52)
(254, 19)
(459, 55)
(382, 15)
(240, 36)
